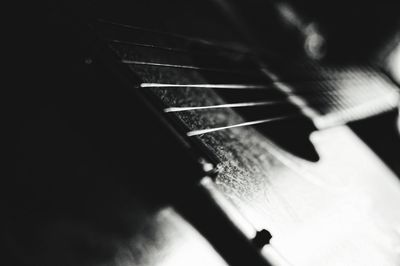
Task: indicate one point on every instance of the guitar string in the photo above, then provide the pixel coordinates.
(185, 51)
(343, 75)
(354, 81)
(205, 131)
(215, 129)
(329, 94)
(247, 123)
(188, 38)
(315, 102)
(200, 41)
(190, 67)
(165, 48)
(197, 132)
(270, 86)
(179, 36)
(244, 124)
(207, 86)
(218, 106)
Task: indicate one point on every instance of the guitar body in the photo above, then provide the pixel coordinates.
(334, 202)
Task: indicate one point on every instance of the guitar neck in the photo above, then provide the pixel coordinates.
(328, 94)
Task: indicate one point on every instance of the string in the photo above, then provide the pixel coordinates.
(153, 46)
(165, 48)
(270, 86)
(208, 86)
(227, 105)
(315, 103)
(175, 35)
(183, 37)
(366, 68)
(190, 67)
(331, 97)
(249, 123)
(347, 76)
